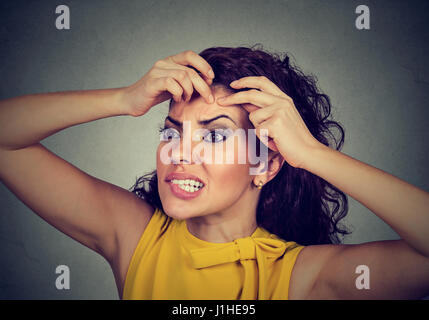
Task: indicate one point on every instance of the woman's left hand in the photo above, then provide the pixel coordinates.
(272, 109)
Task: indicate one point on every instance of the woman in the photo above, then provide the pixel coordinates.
(201, 229)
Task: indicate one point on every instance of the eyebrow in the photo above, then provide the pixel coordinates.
(201, 122)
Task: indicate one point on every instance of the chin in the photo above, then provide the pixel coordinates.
(180, 211)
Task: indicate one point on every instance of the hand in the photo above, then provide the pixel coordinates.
(169, 77)
(270, 108)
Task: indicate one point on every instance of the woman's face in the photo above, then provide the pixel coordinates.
(224, 183)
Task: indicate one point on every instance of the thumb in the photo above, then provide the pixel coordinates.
(266, 139)
(249, 107)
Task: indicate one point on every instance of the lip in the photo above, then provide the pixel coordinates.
(177, 191)
(182, 176)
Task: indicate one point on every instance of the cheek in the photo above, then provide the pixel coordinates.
(233, 170)
(161, 168)
(229, 178)
(234, 150)
(159, 163)
(164, 154)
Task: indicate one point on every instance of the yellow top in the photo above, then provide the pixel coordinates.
(170, 263)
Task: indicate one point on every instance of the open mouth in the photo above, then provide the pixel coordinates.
(184, 185)
(188, 185)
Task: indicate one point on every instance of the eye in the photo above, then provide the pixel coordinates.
(218, 135)
(168, 133)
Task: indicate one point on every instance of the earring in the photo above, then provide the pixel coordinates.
(260, 184)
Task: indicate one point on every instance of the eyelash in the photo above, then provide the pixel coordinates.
(162, 129)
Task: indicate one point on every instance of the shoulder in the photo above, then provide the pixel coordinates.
(136, 243)
(157, 224)
(141, 234)
(307, 268)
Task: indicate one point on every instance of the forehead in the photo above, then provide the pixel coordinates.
(198, 109)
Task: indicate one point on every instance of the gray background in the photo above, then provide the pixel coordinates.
(377, 80)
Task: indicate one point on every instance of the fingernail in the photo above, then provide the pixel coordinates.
(211, 74)
(211, 99)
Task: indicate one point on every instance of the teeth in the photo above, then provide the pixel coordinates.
(188, 185)
(188, 188)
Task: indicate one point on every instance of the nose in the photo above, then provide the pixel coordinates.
(180, 156)
(181, 153)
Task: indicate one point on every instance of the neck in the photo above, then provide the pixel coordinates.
(237, 221)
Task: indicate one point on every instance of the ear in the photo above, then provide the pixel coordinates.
(275, 163)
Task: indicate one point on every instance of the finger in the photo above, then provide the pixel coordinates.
(182, 77)
(260, 120)
(253, 96)
(200, 85)
(263, 133)
(249, 107)
(262, 83)
(262, 114)
(207, 79)
(193, 59)
(197, 82)
(170, 84)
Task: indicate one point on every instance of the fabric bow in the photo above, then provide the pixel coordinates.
(243, 250)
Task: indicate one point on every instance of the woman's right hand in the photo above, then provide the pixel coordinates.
(169, 77)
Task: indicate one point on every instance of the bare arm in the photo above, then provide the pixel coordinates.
(96, 213)
(28, 119)
(401, 205)
(398, 269)
(83, 207)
